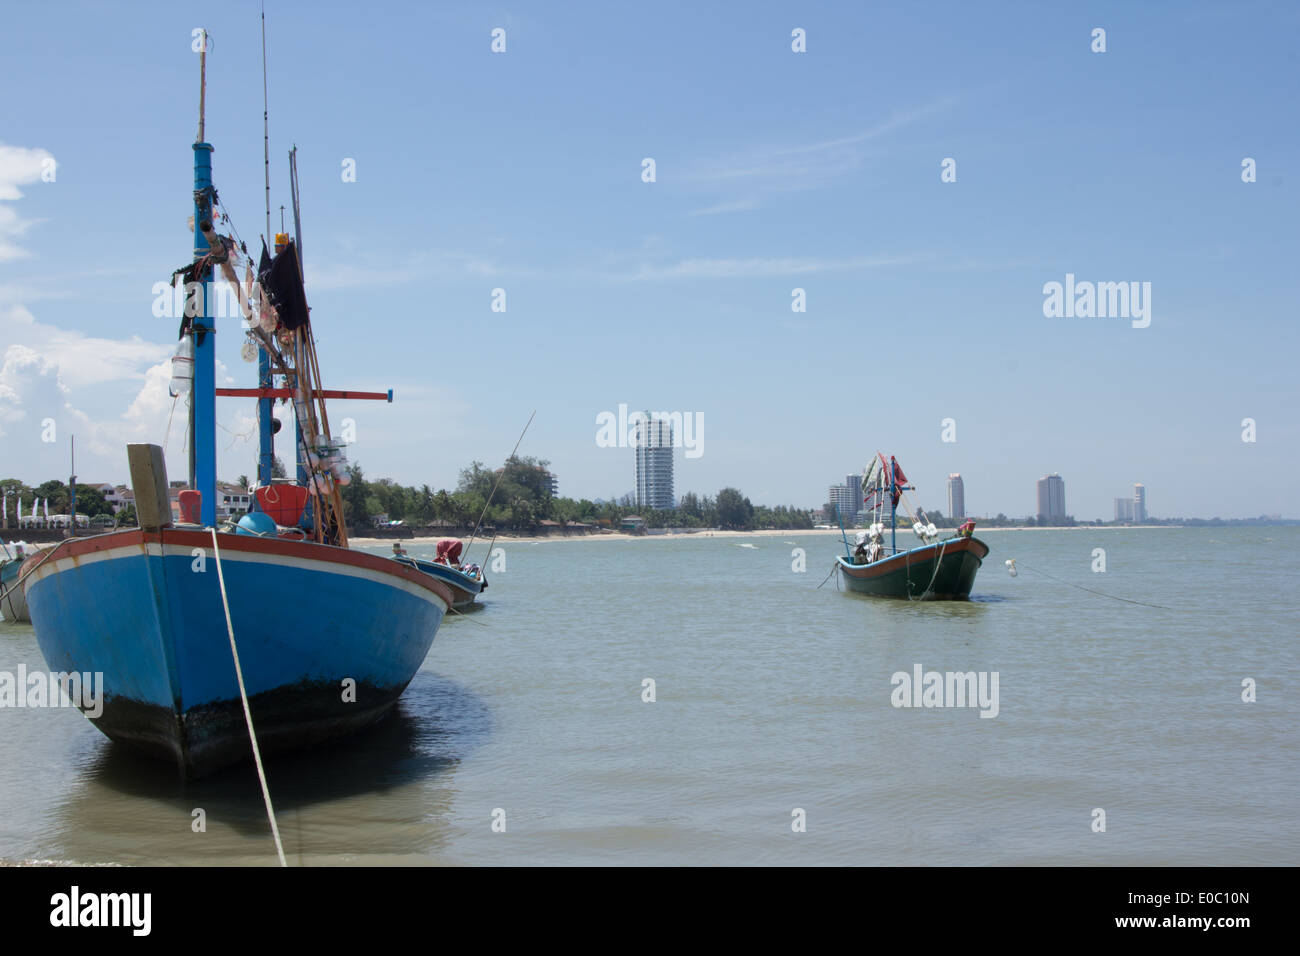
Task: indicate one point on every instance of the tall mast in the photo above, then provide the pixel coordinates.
(265, 435)
(893, 508)
(72, 487)
(203, 395)
(266, 130)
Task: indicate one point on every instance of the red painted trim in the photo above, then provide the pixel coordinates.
(252, 544)
(288, 393)
(898, 562)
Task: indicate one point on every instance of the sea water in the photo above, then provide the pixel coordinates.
(686, 700)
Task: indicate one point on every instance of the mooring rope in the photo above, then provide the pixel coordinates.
(243, 696)
(834, 567)
(466, 616)
(938, 561)
(1091, 590)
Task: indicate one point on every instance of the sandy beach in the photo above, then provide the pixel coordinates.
(421, 541)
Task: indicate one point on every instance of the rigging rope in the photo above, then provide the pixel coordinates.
(168, 433)
(938, 561)
(22, 577)
(243, 696)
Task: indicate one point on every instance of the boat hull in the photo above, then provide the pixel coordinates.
(944, 571)
(13, 602)
(328, 638)
(464, 588)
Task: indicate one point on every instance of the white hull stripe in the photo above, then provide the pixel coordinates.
(154, 549)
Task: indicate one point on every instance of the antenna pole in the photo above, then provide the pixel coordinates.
(266, 129)
(203, 83)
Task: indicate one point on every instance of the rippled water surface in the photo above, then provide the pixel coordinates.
(772, 694)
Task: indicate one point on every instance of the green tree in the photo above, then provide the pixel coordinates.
(355, 496)
(90, 502)
(56, 492)
(734, 509)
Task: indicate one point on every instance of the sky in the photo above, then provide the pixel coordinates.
(774, 170)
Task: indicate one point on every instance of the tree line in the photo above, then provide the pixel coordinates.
(90, 500)
(523, 500)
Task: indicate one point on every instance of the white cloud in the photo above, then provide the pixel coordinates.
(18, 167)
(106, 392)
(29, 390)
(740, 205)
(81, 359)
(808, 165)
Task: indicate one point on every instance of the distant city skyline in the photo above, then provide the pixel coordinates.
(846, 497)
(1051, 498)
(956, 496)
(654, 463)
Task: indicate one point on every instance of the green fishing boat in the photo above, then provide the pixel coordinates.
(936, 569)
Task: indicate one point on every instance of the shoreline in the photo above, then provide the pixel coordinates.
(431, 541)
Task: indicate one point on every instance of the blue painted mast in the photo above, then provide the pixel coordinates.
(203, 394)
(894, 488)
(265, 435)
(265, 438)
(839, 517)
(893, 511)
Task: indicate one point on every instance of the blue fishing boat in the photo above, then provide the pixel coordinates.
(467, 582)
(13, 606)
(936, 569)
(217, 643)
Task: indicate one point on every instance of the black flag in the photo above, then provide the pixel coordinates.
(283, 286)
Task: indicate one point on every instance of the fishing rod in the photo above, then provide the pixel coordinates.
(495, 487)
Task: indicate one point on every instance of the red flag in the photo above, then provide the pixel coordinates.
(900, 479)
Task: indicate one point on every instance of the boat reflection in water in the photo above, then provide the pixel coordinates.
(379, 795)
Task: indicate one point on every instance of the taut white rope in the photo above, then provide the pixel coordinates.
(243, 696)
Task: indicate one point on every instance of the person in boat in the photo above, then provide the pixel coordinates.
(448, 552)
(399, 551)
(861, 549)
